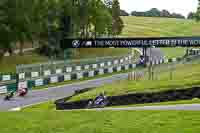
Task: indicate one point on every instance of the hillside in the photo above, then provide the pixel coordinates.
(159, 27)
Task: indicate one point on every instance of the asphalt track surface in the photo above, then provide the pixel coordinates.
(39, 96)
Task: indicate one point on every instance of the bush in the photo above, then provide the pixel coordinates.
(170, 60)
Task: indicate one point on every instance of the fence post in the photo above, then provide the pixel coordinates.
(150, 70)
(171, 72)
(17, 81)
(65, 58)
(152, 73)
(40, 70)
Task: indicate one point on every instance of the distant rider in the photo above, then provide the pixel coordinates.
(23, 91)
(100, 99)
(9, 95)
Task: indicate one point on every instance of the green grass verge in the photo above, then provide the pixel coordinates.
(101, 122)
(99, 52)
(159, 27)
(173, 52)
(184, 76)
(46, 106)
(8, 64)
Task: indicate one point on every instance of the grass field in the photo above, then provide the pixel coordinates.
(101, 122)
(159, 27)
(8, 64)
(46, 106)
(100, 52)
(184, 75)
(173, 52)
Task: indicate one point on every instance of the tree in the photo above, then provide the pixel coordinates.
(197, 16)
(100, 18)
(84, 17)
(23, 19)
(176, 15)
(191, 15)
(154, 12)
(7, 12)
(117, 25)
(39, 19)
(123, 13)
(29, 20)
(165, 13)
(22, 22)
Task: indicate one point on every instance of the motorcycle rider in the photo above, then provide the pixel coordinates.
(9, 95)
(23, 91)
(100, 99)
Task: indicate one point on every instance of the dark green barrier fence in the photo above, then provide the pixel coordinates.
(12, 87)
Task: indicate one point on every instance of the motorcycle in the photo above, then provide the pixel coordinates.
(9, 96)
(100, 103)
(22, 92)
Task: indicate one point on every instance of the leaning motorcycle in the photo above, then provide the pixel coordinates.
(22, 92)
(9, 96)
(93, 104)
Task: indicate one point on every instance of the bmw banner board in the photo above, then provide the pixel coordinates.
(3, 89)
(6, 77)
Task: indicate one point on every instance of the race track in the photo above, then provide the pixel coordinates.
(39, 96)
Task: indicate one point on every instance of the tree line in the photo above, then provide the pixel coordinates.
(47, 21)
(154, 12)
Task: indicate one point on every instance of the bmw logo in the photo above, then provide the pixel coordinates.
(75, 43)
